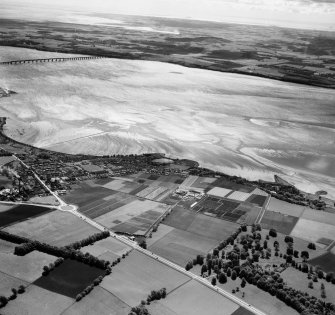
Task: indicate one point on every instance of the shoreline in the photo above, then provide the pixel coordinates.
(195, 168)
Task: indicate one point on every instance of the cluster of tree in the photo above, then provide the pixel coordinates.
(315, 273)
(156, 295)
(52, 266)
(139, 310)
(273, 232)
(199, 260)
(24, 248)
(89, 288)
(311, 246)
(4, 300)
(143, 244)
(13, 238)
(272, 283)
(89, 240)
(153, 296)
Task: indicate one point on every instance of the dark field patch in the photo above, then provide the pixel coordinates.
(242, 311)
(86, 194)
(180, 218)
(179, 181)
(257, 200)
(153, 177)
(21, 213)
(138, 189)
(103, 181)
(100, 207)
(220, 208)
(282, 223)
(326, 262)
(70, 278)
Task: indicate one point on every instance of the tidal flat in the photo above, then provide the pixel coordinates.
(238, 124)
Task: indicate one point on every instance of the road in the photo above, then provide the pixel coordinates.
(73, 209)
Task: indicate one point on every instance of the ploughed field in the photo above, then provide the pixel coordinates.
(238, 124)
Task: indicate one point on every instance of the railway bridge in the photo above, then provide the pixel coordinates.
(18, 62)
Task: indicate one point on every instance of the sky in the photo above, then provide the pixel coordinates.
(308, 14)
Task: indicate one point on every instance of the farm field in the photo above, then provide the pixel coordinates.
(138, 215)
(21, 213)
(56, 228)
(156, 308)
(37, 300)
(69, 278)
(203, 182)
(180, 218)
(47, 200)
(28, 267)
(285, 208)
(181, 246)
(282, 223)
(212, 228)
(161, 232)
(6, 247)
(7, 282)
(134, 278)
(189, 181)
(84, 193)
(319, 216)
(199, 224)
(313, 231)
(219, 192)
(257, 200)
(221, 208)
(124, 186)
(239, 196)
(5, 207)
(194, 298)
(107, 245)
(260, 299)
(326, 262)
(109, 203)
(298, 280)
(139, 224)
(100, 302)
(250, 215)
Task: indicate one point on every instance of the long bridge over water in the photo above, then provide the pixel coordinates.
(18, 62)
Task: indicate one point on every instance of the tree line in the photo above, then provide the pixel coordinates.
(26, 246)
(153, 296)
